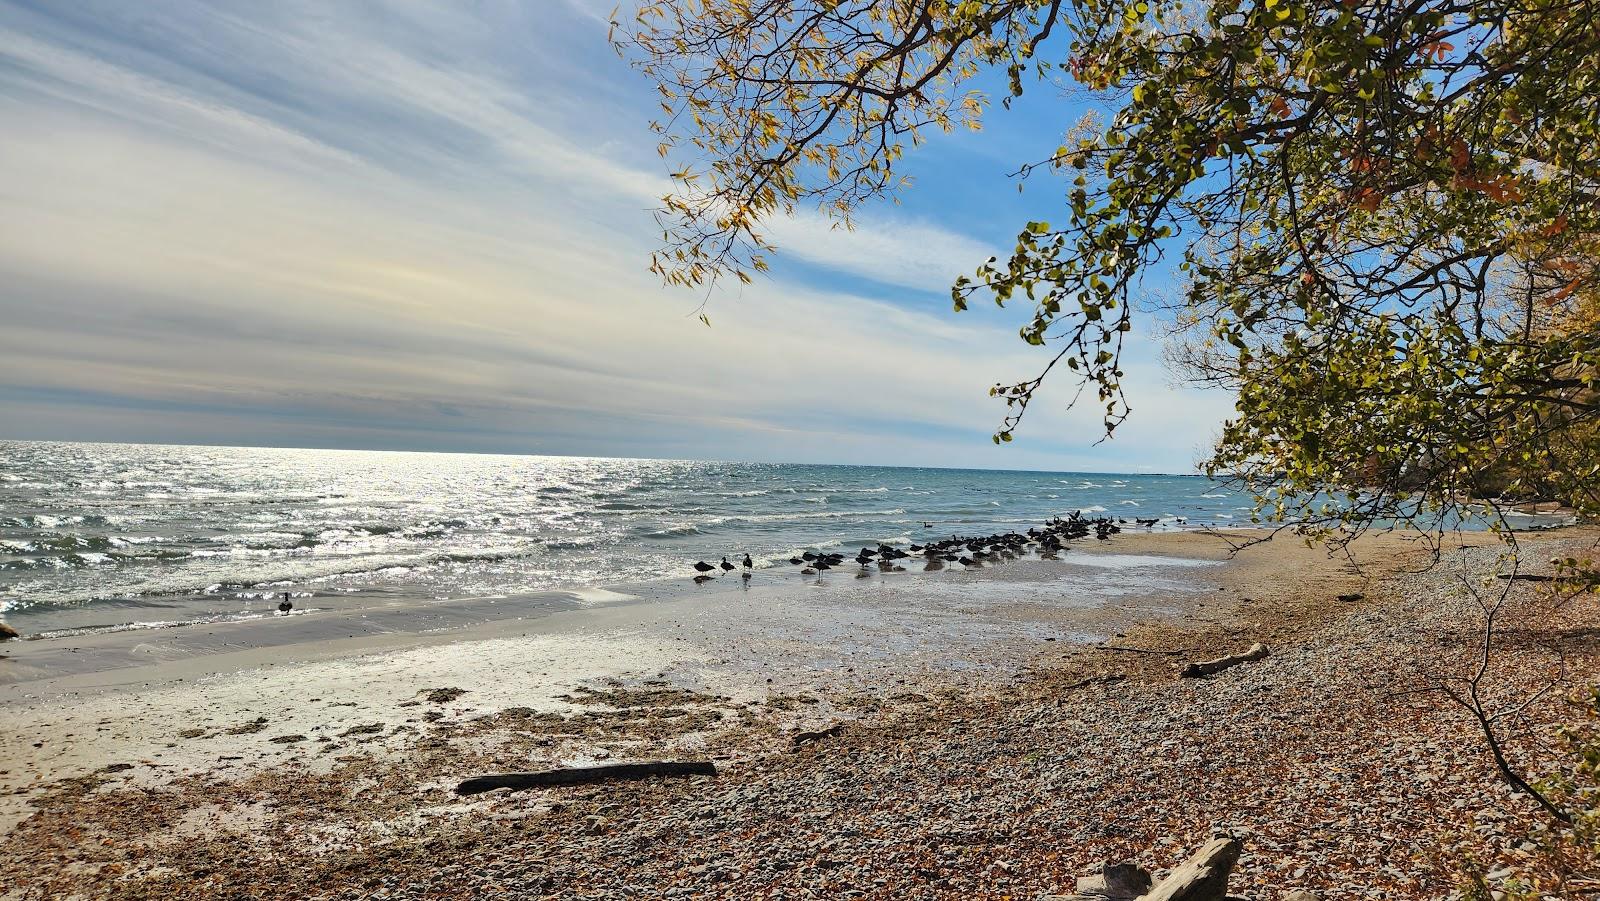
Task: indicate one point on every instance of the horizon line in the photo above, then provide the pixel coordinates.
(373, 450)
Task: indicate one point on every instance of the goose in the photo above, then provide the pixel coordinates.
(748, 563)
(726, 566)
(704, 567)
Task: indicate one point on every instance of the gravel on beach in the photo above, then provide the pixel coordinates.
(1331, 759)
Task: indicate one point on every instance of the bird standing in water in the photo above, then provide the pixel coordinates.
(748, 565)
(703, 567)
(285, 605)
(726, 566)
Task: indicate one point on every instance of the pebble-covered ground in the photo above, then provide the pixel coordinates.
(1333, 761)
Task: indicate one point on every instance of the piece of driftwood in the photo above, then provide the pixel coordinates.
(802, 738)
(1535, 577)
(582, 774)
(1211, 667)
(1112, 647)
(1096, 680)
(1115, 882)
(1203, 877)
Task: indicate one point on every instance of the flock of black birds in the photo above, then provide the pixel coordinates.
(971, 552)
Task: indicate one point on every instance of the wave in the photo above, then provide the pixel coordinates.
(670, 532)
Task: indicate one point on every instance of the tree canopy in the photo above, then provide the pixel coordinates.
(1386, 215)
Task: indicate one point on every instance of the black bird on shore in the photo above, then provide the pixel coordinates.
(726, 566)
(704, 567)
(748, 563)
(285, 605)
(797, 560)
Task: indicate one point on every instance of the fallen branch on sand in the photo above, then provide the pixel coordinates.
(579, 775)
(1210, 667)
(1112, 647)
(1535, 577)
(1096, 680)
(801, 738)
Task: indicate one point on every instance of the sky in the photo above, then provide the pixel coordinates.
(427, 226)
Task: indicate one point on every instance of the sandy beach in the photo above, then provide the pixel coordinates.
(314, 756)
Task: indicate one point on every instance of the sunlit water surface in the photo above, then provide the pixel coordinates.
(98, 535)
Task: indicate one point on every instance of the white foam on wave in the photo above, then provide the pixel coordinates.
(597, 596)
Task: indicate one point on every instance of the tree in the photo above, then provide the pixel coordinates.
(1387, 214)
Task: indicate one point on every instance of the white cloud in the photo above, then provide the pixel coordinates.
(395, 242)
(896, 251)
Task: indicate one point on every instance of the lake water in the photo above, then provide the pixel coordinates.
(105, 535)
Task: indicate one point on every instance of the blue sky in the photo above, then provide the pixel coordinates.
(412, 225)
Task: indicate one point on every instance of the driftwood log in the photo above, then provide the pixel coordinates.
(804, 738)
(1210, 667)
(1096, 680)
(1156, 651)
(582, 774)
(1203, 877)
(1116, 882)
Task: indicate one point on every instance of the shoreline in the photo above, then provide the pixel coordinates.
(705, 696)
(77, 704)
(390, 622)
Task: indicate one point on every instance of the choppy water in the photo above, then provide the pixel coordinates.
(96, 535)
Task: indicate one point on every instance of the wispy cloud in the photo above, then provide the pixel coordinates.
(420, 227)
